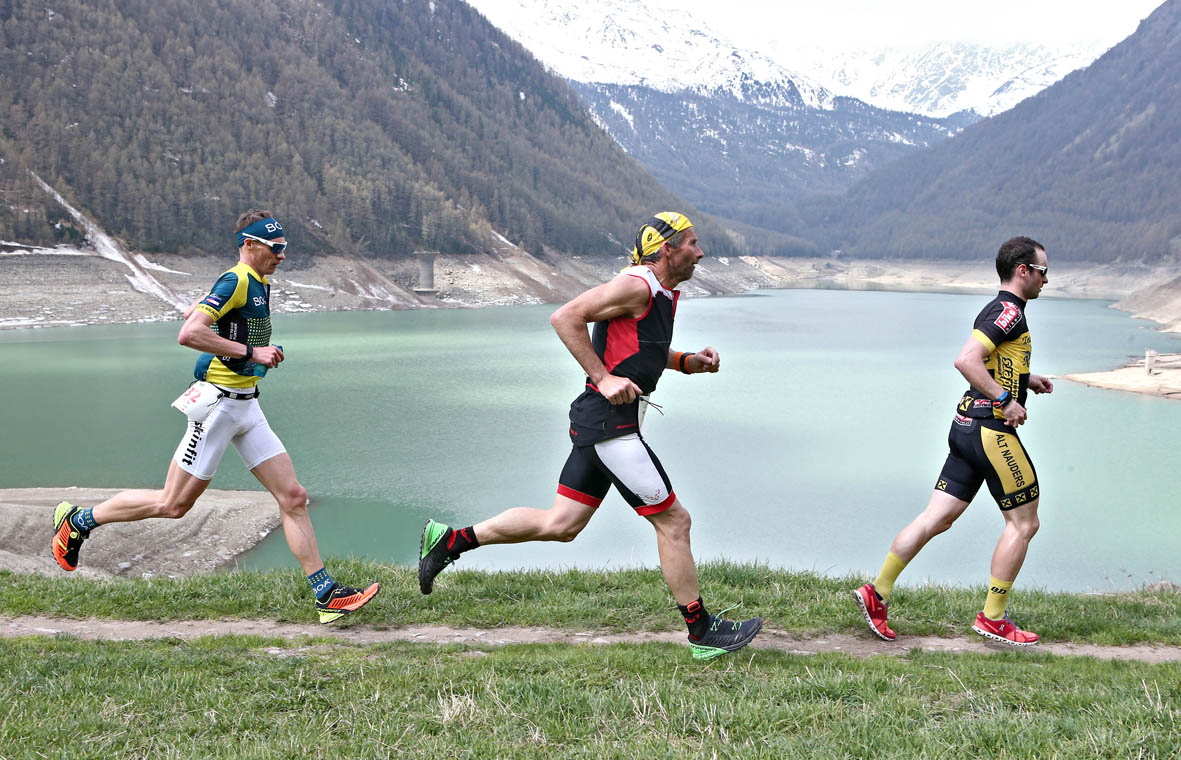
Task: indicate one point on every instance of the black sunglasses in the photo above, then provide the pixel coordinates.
(276, 248)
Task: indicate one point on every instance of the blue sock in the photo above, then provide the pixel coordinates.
(322, 583)
(83, 520)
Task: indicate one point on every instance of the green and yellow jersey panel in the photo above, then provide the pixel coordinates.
(239, 305)
(1001, 328)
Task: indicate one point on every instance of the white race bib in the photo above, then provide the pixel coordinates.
(198, 400)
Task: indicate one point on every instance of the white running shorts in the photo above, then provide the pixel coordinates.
(240, 422)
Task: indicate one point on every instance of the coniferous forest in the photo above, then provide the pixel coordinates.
(384, 127)
(373, 127)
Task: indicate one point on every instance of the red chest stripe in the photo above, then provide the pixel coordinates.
(622, 341)
(622, 337)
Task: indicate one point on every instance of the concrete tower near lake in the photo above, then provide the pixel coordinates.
(426, 272)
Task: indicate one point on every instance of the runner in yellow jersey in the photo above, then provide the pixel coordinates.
(984, 448)
(231, 326)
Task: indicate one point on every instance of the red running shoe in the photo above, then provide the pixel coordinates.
(345, 599)
(873, 610)
(1004, 631)
(67, 539)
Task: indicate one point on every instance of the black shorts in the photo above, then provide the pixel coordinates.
(625, 462)
(987, 450)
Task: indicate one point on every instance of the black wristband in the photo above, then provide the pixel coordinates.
(685, 362)
(249, 352)
(1003, 399)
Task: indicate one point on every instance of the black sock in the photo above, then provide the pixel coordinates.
(462, 540)
(696, 618)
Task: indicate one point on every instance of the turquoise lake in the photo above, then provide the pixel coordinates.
(819, 439)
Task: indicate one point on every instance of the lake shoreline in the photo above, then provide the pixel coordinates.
(89, 289)
(1162, 379)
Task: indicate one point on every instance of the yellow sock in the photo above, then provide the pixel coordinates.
(998, 595)
(891, 569)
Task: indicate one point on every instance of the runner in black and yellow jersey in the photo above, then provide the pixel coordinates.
(237, 351)
(984, 448)
(624, 359)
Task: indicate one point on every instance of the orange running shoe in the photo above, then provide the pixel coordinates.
(873, 610)
(343, 600)
(1004, 631)
(67, 539)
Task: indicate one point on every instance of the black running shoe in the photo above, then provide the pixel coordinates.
(343, 600)
(432, 554)
(724, 636)
(67, 539)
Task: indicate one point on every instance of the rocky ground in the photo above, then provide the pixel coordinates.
(53, 287)
(220, 527)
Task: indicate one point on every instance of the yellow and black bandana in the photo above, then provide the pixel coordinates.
(655, 231)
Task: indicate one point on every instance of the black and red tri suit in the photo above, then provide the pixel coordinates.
(634, 348)
(608, 449)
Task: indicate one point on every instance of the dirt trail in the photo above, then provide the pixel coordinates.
(857, 646)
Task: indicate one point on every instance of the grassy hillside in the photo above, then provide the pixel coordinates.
(249, 696)
(263, 698)
(622, 600)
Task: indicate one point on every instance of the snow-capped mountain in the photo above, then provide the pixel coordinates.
(626, 42)
(946, 77)
(726, 128)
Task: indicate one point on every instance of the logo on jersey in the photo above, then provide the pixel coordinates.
(213, 300)
(1008, 316)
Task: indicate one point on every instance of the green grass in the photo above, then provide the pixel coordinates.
(619, 600)
(252, 697)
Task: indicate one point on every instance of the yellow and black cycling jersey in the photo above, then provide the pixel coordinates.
(1001, 328)
(239, 305)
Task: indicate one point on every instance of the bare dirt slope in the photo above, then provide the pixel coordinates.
(222, 525)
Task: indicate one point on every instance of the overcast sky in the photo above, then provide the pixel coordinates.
(840, 24)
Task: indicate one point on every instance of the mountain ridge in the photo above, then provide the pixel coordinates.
(1088, 166)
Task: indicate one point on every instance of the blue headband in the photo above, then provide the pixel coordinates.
(268, 229)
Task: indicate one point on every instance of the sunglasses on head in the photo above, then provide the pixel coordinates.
(276, 248)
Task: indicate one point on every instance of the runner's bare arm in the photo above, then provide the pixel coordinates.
(971, 365)
(195, 334)
(624, 296)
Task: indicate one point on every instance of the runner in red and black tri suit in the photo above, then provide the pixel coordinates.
(624, 358)
(984, 447)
